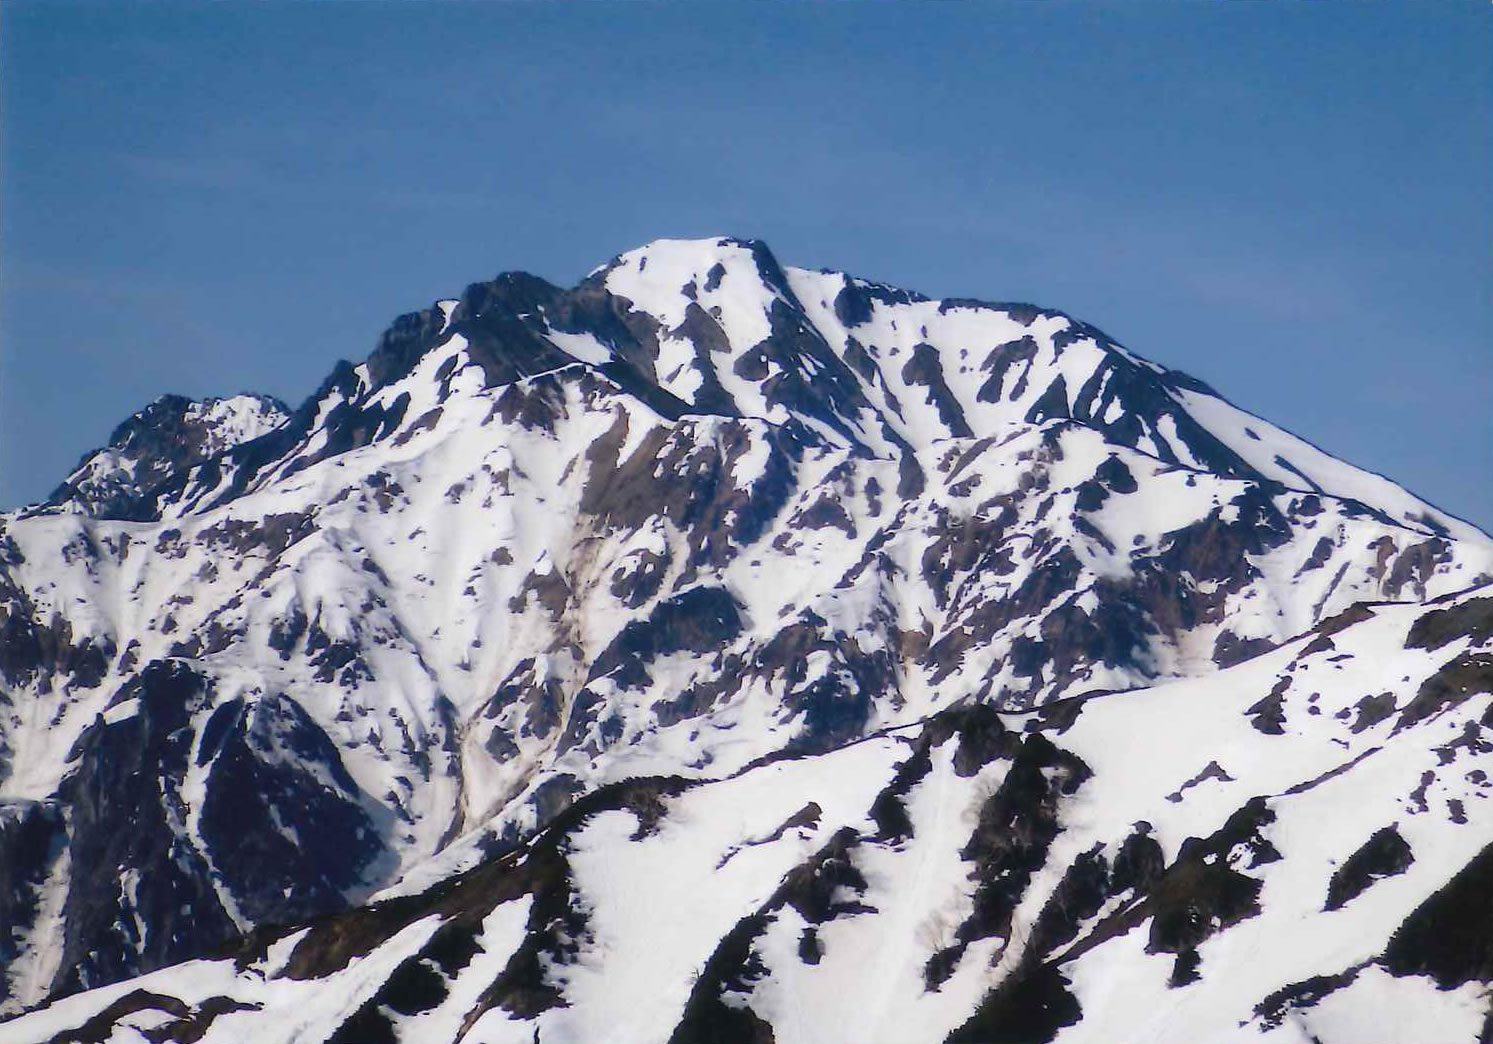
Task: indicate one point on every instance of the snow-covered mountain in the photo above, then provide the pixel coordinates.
(717, 650)
(169, 435)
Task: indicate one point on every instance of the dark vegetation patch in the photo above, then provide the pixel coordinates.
(807, 817)
(1213, 770)
(1079, 895)
(1200, 894)
(194, 1025)
(1268, 715)
(1470, 619)
(1356, 613)
(983, 738)
(1332, 773)
(888, 809)
(554, 931)
(734, 967)
(1307, 993)
(1033, 1002)
(1197, 896)
(1457, 681)
(1230, 648)
(100, 1027)
(1447, 937)
(1028, 1007)
(1384, 854)
(1016, 827)
(1372, 709)
(414, 987)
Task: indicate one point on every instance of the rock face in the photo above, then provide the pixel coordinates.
(827, 615)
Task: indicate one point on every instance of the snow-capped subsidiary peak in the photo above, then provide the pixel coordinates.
(746, 530)
(168, 436)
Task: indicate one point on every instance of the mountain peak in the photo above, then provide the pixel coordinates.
(818, 606)
(168, 436)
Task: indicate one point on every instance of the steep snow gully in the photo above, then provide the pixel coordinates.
(721, 651)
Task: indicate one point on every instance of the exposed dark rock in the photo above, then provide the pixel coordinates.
(32, 836)
(126, 774)
(1321, 552)
(999, 362)
(288, 846)
(1015, 564)
(697, 620)
(924, 369)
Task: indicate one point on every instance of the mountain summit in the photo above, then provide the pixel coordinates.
(721, 650)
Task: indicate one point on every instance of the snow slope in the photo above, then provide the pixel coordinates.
(1188, 862)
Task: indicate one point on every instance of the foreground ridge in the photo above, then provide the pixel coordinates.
(976, 875)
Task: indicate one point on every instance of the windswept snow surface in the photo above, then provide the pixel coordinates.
(748, 529)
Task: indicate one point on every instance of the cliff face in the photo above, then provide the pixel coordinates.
(601, 577)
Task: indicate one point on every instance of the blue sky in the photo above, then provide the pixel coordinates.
(1293, 202)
